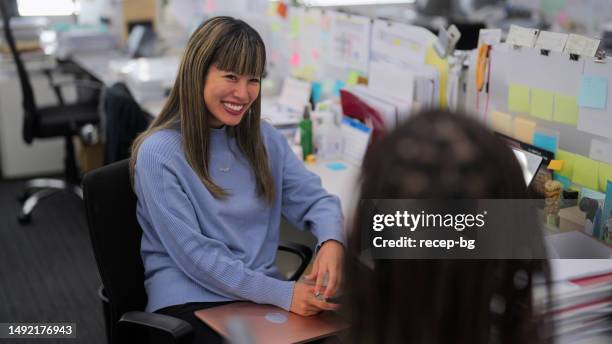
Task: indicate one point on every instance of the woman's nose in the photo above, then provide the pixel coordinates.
(241, 91)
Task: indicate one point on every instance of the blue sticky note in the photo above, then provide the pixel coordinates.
(566, 182)
(593, 92)
(336, 166)
(544, 141)
(317, 91)
(337, 86)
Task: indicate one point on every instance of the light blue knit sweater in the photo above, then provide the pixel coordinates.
(197, 248)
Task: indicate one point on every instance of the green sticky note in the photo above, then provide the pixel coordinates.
(276, 27)
(352, 78)
(518, 98)
(294, 23)
(568, 162)
(541, 104)
(586, 172)
(605, 175)
(566, 109)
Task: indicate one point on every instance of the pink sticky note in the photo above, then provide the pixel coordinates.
(274, 56)
(295, 59)
(210, 5)
(561, 17)
(315, 54)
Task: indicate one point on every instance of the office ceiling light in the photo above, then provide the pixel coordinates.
(47, 8)
(354, 2)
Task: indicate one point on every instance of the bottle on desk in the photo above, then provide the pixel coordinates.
(306, 133)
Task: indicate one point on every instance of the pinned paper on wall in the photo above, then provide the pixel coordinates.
(566, 182)
(568, 162)
(350, 42)
(524, 129)
(544, 141)
(601, 151)
(390, 79)
(541, 104)
(551, 41)
(586, 172)
(566, 109)
(502, 122)
(521, 36)
(518, 98)
(605, 175)
(593, 92)
(400, 43)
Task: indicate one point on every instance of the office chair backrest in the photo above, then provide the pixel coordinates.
(29, 102)
(115, 236)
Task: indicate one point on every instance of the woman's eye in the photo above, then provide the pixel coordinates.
(231, 77)
(254, 80)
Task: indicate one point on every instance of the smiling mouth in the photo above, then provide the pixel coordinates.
(233, 108)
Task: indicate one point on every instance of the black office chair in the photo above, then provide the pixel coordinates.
(115, 235)
(62, 120)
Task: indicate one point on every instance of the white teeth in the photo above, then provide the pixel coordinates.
(233, 107)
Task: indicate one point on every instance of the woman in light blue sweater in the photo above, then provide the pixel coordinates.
(212, 183)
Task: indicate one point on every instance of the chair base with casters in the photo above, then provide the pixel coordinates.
(115, 234)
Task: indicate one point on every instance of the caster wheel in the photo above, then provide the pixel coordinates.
(24, 219)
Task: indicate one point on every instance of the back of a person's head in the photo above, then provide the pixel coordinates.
(440, 155)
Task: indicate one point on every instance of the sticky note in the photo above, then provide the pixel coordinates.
(317, 91)
(276, 27)
(295, 59)
(541, 104)
(544, 141)
(605, 175)
(555, 165)
(563, 180)
(518, 98)
(336, 166)
(524, 129)
(337, 86)
(352, 78)
(566, 109)
(502, 123)
(294, 25)
(586, 172)
(568, 162)
(593, 92)
(315, 54)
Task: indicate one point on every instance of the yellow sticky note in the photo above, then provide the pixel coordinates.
(568, 163)
(276, 27)
(586, 172)
(397, 42)
(605, 175)
(524, 129)
(294, 23)
(566, 109)
(501, 122)
(352, 78)
(555, 165)
(541, 104)
(518, 98)
(433, 59)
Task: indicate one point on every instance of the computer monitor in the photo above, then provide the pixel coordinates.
(530, 163)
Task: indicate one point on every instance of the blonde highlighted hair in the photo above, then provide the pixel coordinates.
(233, 46)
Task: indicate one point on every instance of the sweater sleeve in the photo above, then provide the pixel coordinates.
(171, 215)
(306, 204)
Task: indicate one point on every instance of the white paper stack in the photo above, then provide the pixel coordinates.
(581, 303)
(150, 78)
(80, 40)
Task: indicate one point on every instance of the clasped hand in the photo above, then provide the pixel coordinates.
(329, 260)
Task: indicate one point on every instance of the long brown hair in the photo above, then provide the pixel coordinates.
(236, 47)
(439, 155)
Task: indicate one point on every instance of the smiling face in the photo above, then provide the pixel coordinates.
(228, 96)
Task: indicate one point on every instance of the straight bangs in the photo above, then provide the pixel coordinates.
(242, 52)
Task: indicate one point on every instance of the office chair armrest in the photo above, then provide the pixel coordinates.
(179, 329)
(304, 252)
